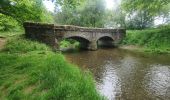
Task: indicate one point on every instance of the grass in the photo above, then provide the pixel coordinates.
(10, 34)
(152, 40)
(66, 43)
(31, 71)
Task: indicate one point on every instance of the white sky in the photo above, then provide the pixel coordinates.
(112, 4)
(158, 21)
(109, 4)
(49, 5)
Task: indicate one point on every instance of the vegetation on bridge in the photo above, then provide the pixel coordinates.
(69, 44)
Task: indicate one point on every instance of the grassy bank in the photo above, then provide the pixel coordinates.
(30, 71)
(150, 40)
(10, 34)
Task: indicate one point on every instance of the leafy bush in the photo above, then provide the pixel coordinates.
(8, 23)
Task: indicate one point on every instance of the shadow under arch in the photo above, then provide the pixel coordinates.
(106, 42)
(84, 43)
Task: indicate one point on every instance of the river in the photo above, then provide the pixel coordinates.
(126, 75)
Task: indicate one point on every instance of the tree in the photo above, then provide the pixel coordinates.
(165, 14)
(22, 10)
(65, 11)
(139, 20)
(84, 13)
(115, 18)
(144, 11)
(152, 6)
(92, 13)
(14, 12)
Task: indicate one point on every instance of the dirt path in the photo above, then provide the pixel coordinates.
(2, 43)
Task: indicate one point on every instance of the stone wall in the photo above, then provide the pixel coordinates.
(40, 32)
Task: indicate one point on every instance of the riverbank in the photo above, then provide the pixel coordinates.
(31, 71)
(156, 40)
(143, 49)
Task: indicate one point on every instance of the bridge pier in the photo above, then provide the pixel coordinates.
(92, 45)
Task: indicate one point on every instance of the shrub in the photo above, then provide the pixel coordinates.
(8, 23)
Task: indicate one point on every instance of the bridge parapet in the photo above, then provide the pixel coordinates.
(51, 34)
(86, 29)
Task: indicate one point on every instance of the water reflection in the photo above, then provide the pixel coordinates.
(125, 75)
(110, 83)
(158, 81)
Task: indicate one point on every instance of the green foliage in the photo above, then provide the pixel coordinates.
(66, 12)
(132, 14)
(66, 43)
(152, 6)
(23, 10)
(14, 12)
(7, 34)
(157, 40)
(8, 23)
(142, 13)
(83, 13)
(115, 18)
(140, 20)
(68, 3)
(92, 13)
(39, 74)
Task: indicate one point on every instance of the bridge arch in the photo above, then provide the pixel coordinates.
(105, 41)
(105, 38)
(84, 43)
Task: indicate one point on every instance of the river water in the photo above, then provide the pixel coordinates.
(126, 75)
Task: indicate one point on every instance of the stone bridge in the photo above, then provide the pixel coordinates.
(88, 37)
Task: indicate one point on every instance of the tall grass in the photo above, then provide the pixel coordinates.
(21, 45)
(155, 40)
(30, 71)
(10, 34)
(69, 43)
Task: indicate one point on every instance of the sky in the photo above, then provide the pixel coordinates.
(49, 5)
(112, 4)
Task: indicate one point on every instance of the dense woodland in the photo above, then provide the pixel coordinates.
(128, 14)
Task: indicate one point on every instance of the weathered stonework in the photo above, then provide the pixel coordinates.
(51, 34)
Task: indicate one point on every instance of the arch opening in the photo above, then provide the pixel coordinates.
(82, 42)
(105, 42)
